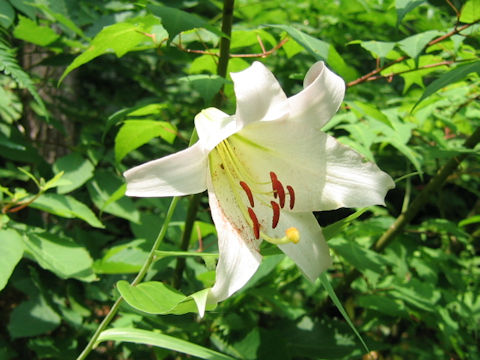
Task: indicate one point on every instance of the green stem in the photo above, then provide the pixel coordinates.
(151, 256)
(227, 22)
(194, 202)
(434, 185)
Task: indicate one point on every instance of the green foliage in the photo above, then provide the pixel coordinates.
(71, 241)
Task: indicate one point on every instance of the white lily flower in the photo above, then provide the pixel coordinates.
(266, 169)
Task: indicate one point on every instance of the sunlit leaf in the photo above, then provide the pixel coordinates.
(11, 251)
(164, 341)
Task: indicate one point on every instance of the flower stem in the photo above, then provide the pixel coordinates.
(151, 256)
(227, 22)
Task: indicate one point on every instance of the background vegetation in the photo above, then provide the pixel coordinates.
(134, 76)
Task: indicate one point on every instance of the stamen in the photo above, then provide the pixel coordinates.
(276, 214)
(256, 224)
(292, 196)
(274, 179)
(293, 234)
(278, 189)
(247, 190)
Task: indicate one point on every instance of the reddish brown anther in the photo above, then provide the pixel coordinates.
(278, 189)
(274, 180)
(247, 190)
(276, 214)
(292, 196)
(256, 224)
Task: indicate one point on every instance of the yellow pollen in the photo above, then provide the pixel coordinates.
(293, 234)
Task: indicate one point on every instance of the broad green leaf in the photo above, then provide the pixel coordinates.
(163, 253)
(140, 336)
(378, 48)
(11, 251)
(361, 258)
(31, 318)
(29, 31)
(76, 171)
(422, 295)
(413, 45)
(448, 78)
(383, 304)
(67, 207)
(370, 110)
(135, 133)
(60, 255)
(470, 11)
(175, 21)
(119, 38)
(321, 50)
(7, 14)
(206, 85)
(405, 6)
(103, 188)
(123, 259)
(154, 297)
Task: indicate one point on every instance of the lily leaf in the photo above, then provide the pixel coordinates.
(140, 336)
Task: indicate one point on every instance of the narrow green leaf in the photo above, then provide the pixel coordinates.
(67, 207)
(11, 251)
(135, 133)
(448, 78)
(470, 11)
(326, 284)
(9, 65)
(162, 253)
(140, 336)
(331, 230)
(60, 255)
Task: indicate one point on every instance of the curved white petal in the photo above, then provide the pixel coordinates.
(320, 99)
(182, 173)
(213, 126)
(239, 255)
(259, 95)
(311, 253)
(324, 174)
(350, 181)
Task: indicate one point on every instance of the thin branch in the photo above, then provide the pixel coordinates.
(378, 70)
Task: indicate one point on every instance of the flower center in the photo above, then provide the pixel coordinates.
(252, 195)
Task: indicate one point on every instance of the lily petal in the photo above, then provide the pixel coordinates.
(182, 173)
(239, 256)
(320, 99)
(311, 253)
(324, 174)
(213, 126)
(350, 181)
(259, 95)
